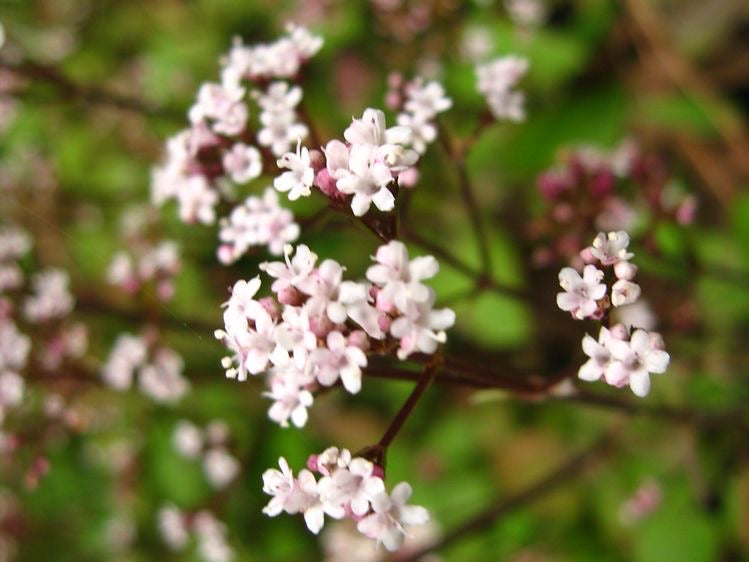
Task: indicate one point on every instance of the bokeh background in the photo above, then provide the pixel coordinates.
(90, 90)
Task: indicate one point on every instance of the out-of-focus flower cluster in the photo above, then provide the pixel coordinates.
(595, 190)
(146, 263)
(209, 446)
(496, 80)
(622, 355)
(317, 327)
(158, 369)
(217, 149)
(42, 309)
(177, 528)
(347, 488)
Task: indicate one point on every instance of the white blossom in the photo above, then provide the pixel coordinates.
(581, 293)
(387, 524)
(297, 181)
(242, 163)
(496, 80)
(51, 297)
(611, 248)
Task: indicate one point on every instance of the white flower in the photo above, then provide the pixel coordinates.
(298, 180)
(496, 80)
(426, 100)
(127, 355)
(296, 496)
(391, 514)
(367, 181)
(355, 485)
(624, 292)
(162, 379)
(243, 163)
(51, 297)
(187, 439)
(14, 346)
(339, 359)
(400, 278)
(14, 243)
(421, 328)
(173, 527)
(257, 222)
(291, 400)
(11, 390)
(611, 248)
(600, 356)
(294, 272)
(581, 293)
(636, 359)
(220, 467)
(221, 105)
(278, 117)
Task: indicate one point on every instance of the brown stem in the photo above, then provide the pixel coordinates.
(377, 452)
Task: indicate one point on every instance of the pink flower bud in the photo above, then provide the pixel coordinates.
(165, 290)
(359, 338)
(563, 213)
(393, 100)
(269, 305)
(409, 177)
(587, 256)
(686, 211)
(317, 160)
(384, 322)
(225, 254)
(601, 184)
(625, 270)
(312, 463)
(378, 471)
(290, 296)
(327, 184)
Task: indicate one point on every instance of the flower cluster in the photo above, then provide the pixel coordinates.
(318, 327)
(146, 264)
(257, 222)
(365, 168)
(202, 161)
(47, 305)
(423, 102)
(618, 357)
(176, 527)
(602, 190)
(158, 369)
(208, 445)
(496, 80)
(347, 487)
(280, 128)
(280, 59)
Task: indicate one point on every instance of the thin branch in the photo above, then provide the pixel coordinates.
(457, 156)
(563, 474)
(483, 280)
(90, 94)
(377, 452)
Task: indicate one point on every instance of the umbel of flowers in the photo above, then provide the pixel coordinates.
(346, 488)
(622, 355)
(317, 328)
